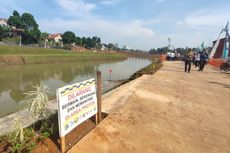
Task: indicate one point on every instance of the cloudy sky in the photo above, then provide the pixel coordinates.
(139, 24)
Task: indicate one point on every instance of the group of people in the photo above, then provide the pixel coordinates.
(199, 59)
(172, 56)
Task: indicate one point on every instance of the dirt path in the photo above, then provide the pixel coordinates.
(170, 111)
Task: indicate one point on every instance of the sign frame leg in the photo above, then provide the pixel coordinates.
(63, 147)
(99, 84)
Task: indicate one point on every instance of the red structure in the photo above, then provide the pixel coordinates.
(220, 48)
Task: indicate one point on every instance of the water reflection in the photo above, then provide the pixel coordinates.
(16, 80)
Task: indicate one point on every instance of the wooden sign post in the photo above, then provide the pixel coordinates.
(63, 148)
(99, 83)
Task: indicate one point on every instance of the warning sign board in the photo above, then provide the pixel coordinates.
(76, 103)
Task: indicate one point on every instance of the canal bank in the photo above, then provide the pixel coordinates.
(6, 123)
(170, 111)
(17, 80)
(18, 55)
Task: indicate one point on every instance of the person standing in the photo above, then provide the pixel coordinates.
(203, 60)
(197, 59)
(187, 59)
(168, 56)
(173, 55)
(177, 56)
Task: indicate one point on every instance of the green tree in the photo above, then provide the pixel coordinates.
(44, 36)
(31, 37)
(68, 37)
(4, 32)
(1, 32)
(15, 20)
(83, 41)
(116, 46)
(78, 41)
(153, 51)
(31, 32)
(15, 13)
(96, 41)
(44, 39)
(111, 46)
(28, 22)
(89, 43)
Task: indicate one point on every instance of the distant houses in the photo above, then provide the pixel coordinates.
(55, 37)
(54, 41)
(104, 47)
(126, 48)
(3, 22)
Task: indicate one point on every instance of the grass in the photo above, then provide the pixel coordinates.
(32, 55)
(20, 50)
(26, 139)
(148, 70)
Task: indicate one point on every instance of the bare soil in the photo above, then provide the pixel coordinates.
(170, 111)
(52, 144)
(12, 60)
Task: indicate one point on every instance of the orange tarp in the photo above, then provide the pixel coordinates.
(216, 62)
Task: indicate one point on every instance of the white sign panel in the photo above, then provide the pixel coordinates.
(76, 103)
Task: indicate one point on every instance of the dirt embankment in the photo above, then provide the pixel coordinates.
(12, 60)
(168, 112)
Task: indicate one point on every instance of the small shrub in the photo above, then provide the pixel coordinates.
(149, 70)
(37, 100)
(28, 143)
(47, 129)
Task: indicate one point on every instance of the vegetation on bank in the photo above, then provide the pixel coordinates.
(20, 50)
(148, 70)
(10, 55)
(26, 139)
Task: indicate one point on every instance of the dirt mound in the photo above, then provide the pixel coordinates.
(12, 60)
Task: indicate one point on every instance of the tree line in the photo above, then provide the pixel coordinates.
(27, 28)
(70, 38)
(164, 50)
(23, 25)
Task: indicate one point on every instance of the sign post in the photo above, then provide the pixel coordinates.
(63, 148)
(98, 116)
(76, 103)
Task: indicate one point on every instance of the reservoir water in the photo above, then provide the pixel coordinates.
(15, 81)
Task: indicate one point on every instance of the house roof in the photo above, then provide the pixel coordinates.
(53, 36)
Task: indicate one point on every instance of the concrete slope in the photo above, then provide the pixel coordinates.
(168, 112)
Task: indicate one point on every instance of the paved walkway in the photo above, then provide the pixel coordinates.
(170, 111)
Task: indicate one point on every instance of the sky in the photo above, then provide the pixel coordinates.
(139, 24)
